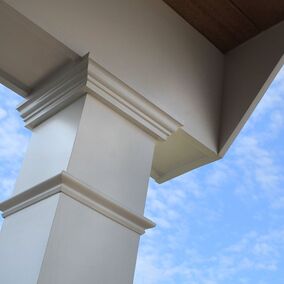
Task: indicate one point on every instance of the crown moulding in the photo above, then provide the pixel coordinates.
(87, 76)
(83, 193)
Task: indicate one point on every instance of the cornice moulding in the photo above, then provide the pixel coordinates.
(58, 92)
(127, 101)
(72, 187)
(87, 76)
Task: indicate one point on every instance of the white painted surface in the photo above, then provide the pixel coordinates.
(155, 52)
(128, 102)
(27, 53)
(81, 192)
(50, 147)
(23, 241)
(62, 241)
(179, 154)
(149, 47)
(86, 247)
(95, 235)
(112, 154)
(95, 144)
(249, 71)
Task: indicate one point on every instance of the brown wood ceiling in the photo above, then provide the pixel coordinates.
(229, 23)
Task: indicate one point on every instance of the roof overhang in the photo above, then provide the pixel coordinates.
(229, 23)
(149, 47)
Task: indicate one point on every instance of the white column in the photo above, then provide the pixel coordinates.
(77, 212)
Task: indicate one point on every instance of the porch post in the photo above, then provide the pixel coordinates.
(77, 212)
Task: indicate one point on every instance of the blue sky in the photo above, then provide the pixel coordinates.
(220, 224)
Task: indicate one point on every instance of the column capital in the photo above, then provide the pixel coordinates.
(87, 76)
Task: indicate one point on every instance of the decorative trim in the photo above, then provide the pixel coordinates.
(87, 76)
(105, 86)
(60, 91)
(94, 199)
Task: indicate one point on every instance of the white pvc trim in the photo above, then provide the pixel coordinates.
(94, 199)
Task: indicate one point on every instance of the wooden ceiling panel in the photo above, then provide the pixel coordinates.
(219, 21)
(229, 23)
(264, 13)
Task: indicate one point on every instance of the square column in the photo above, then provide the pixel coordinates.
(77, 212)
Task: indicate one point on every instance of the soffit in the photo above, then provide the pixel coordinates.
(28, 54)
(229, 23)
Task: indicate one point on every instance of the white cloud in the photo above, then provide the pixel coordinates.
(3, 113)
(13, 141)
(253, 252)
